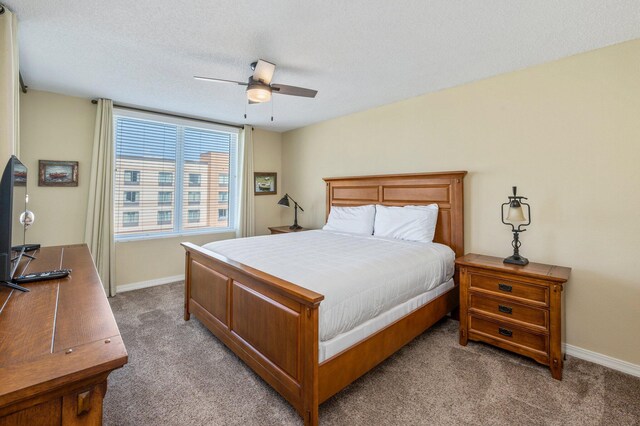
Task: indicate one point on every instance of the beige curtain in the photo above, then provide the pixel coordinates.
(247, 226)
(99, 228)
(9, 86)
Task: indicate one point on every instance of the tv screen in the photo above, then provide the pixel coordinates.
(19, 203)
(13, 197)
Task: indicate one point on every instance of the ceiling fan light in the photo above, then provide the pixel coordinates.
(259, 93)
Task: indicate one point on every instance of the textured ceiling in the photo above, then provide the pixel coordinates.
(358, 54)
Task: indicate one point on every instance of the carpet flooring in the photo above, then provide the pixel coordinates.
(180, 374)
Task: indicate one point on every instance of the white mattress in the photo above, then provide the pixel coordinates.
(360, 277)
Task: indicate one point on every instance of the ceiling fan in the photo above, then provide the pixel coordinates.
(259, 87)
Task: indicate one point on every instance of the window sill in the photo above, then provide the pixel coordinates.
(132, 238)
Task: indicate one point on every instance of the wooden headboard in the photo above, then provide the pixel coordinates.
(442, 188)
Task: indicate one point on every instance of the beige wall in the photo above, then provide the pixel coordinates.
(145, 260)
(267, 157)
(566, 133)
(59, 127)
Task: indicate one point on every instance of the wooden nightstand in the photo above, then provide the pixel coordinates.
(518, 308)
(284, 229)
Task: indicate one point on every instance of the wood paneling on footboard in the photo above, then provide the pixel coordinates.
(269, 327)
(210, 289)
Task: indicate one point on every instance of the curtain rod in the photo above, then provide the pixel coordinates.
(168, 114)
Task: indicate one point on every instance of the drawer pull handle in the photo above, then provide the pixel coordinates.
(505, 309)
(505, 287)
(505, 332)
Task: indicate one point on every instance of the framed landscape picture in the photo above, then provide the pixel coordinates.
(58, 173)
(265, 183)
(20, 175)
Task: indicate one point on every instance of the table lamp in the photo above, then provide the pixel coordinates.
(516, 217)
(284, 201)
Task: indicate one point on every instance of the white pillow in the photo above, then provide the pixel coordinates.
(413, 223)
(356, 220)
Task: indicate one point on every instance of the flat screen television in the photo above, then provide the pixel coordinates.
(13, 203)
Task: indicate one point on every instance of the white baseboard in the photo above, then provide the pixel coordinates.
(150, 283)
(604, 360)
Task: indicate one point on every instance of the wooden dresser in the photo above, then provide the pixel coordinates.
(518, 308)
(58, 344)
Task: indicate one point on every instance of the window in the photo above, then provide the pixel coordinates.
(194, 179)
(165, 178)
(194, 216)
(164, 217)
(131, 197)
(222, 214)
(193, 198)
(130, 218)
(131, 177)
(177, 164)
(164, 198)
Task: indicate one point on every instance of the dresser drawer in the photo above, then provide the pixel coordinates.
(503, 308)
(511, 289)
(507, 336)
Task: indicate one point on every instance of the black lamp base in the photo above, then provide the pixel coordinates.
(516, 259)
(295, 226)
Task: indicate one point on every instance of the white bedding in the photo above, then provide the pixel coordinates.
(360, 276)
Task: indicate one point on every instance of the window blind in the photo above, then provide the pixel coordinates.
(172, 176)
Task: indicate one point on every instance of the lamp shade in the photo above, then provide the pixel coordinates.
(259, 93)
(516, 214)
(284, 201)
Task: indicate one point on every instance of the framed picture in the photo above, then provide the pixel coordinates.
(20, 175)
(265, 183)
(58, 173)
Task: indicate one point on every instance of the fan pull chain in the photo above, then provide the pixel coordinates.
(272, 101)
(245, 110)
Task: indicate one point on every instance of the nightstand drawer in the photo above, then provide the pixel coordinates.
(526, 342)
(503, 308)
(510, 289)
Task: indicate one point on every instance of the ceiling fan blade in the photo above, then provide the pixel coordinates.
(283, 89)
(264, 71)
(219, 80)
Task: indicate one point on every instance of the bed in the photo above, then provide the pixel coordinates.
(273, 324)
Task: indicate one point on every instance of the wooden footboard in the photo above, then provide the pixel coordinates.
(271, 324)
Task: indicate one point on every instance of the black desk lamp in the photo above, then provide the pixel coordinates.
(284, 201)
(515, 216)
